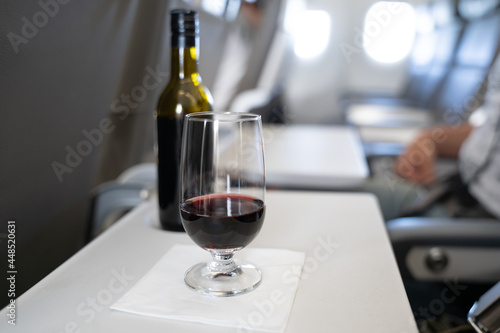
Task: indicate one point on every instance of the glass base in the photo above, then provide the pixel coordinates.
(204, 279)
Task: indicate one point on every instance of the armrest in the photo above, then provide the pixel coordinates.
(445, 231)
(250, 99)
(435, 249)
(110, 201)
(268, 104)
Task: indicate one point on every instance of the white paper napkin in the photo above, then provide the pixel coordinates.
(162, 292)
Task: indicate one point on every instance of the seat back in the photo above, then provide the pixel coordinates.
(463, 88)
(433, 51)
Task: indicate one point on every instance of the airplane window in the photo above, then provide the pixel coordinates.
(310, 30)
(389, 30)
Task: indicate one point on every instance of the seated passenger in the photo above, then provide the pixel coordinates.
(473, 192)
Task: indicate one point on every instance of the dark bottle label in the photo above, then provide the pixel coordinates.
(169, 155)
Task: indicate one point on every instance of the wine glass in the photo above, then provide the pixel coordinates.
(222, 197)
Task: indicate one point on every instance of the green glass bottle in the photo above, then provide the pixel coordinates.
(184, 94)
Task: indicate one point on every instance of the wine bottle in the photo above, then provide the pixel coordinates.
(183, 94)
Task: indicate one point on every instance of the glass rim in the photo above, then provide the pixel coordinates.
(232, 116)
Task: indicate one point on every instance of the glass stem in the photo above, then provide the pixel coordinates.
(222, 262)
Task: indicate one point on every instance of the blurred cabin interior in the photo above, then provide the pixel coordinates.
(80, 80)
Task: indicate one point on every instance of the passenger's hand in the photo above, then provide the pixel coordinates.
(417, 163)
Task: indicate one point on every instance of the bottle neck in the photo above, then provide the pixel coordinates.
(184, 58)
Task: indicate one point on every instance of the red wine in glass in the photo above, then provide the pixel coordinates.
(223, 221)
(222, 198)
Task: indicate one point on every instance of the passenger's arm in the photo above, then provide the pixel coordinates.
(417, 163)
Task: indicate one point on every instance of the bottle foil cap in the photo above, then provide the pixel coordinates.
(185, 22)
